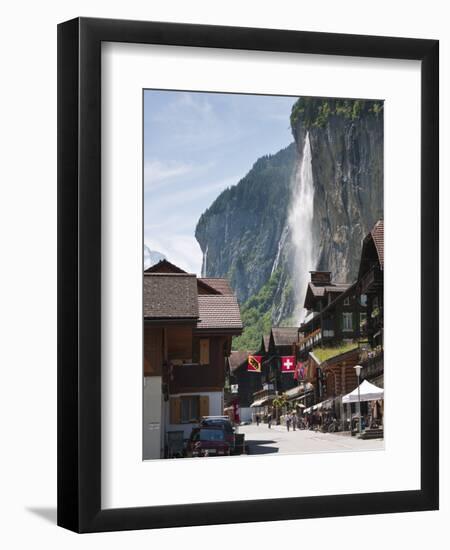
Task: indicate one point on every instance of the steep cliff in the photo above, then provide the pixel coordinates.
(307, 207)
(241, 233)
(346, 138)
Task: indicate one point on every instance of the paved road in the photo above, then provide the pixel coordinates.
(261, 440)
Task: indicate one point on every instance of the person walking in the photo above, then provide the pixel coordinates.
(288, 421)
(257, 419)
(269, 420)
(294, 420)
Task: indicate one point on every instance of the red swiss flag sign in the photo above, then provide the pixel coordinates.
(288, 364)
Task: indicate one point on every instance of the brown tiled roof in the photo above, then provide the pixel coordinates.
(164, 266)
(344, 292)
(170, 295)
(320, 290)
(217, 311)
(204, 288)
(378, 239)
(219, 284)
(237, 358)
(284, 336)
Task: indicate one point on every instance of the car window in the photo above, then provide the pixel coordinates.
(212, 435)
(223, 423)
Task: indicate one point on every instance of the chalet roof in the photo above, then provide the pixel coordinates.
(170, 296)
(319, 291)
(204, 288)
(377, 234)
(344, 292)
(219, 284)
(208, 285)
(164, 266)
(284, 336)
(348, 356)
(372, 249)
(218, 312)
(237, 358)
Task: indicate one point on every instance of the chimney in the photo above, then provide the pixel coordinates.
(321, 278)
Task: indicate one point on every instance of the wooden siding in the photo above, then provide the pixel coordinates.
(204, 351)
(179, 343)
(153, 351)
(196, 377)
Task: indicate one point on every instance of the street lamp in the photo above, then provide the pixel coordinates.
(358, 374)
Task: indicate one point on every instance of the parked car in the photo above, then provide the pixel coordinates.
(208, 441)
(221, 422)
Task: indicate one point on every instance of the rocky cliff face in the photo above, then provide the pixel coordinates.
(347, 165)
(249, 234)
(242, 234)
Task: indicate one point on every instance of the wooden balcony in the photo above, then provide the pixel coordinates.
(194, 377)
(316, 337)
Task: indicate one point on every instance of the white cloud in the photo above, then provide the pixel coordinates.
(182, 250)
(195, 123)
(156, 172)
(192, 106)
(189, 201)
(158, 175)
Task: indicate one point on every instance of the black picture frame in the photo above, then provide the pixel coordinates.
(79, 274)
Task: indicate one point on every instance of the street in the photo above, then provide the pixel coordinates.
(262, 440)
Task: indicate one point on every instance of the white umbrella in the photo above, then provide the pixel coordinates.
(367, 392)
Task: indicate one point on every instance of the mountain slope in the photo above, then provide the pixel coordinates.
(250, 236)
(240, 233)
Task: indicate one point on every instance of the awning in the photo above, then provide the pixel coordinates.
(367, 392)
(294, 392)
(260, 402)
(327, 404)
(297, 393)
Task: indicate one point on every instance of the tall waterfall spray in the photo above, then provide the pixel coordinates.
(301, 228)
(205, 257)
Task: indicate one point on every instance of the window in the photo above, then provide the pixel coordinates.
(362, 319)
(204, 351)
(363, 300)
(346, 301)
(190, 409)
(347, 321)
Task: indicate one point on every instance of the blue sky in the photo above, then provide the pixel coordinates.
(196, 145)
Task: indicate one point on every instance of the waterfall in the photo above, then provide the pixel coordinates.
(205, 257)
(300, 222)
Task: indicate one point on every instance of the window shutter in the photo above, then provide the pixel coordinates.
(204, 405)
(204, 351)
(175, 410)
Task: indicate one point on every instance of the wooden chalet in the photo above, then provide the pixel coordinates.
(342, 314)
(336, 313)
(188, 327)
(247, 383)
(338, 374)
(282, 342)
(370, 282)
